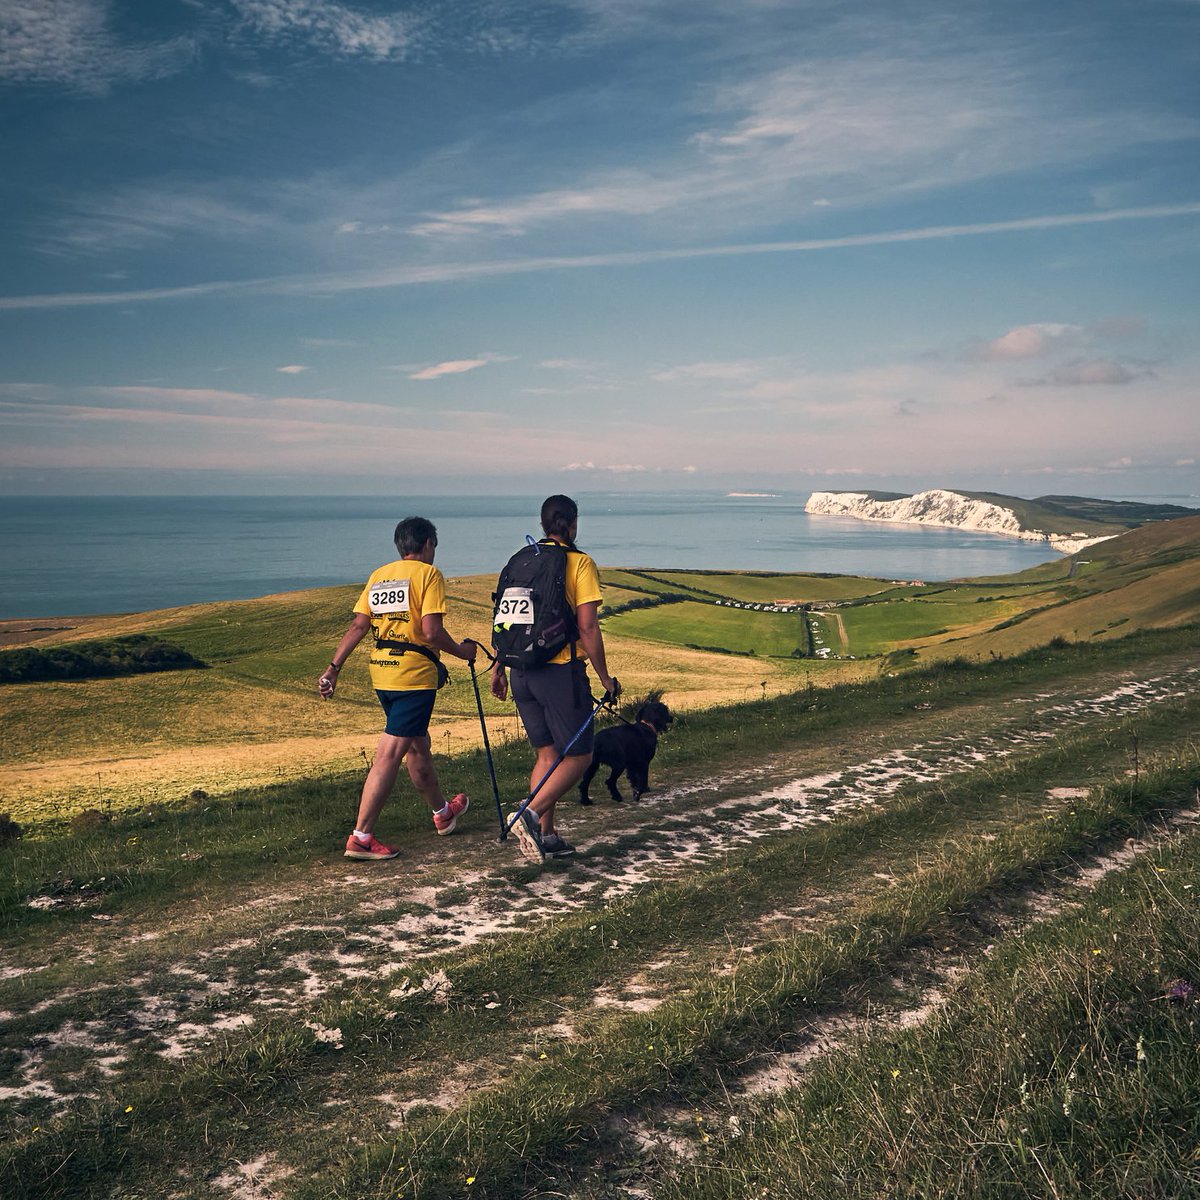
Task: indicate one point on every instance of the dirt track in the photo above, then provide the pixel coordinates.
(215, 968)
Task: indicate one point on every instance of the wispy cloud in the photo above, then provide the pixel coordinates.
(590, 467)
(72, 43)
(134, 217)
(409, 276)
(457, 366)
(293, 369)
(856, 126)
(720, 371)
(334, 28)
(1028, 341)
(1101, 372)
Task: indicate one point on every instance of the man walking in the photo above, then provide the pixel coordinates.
(554, 699)
(402, 605)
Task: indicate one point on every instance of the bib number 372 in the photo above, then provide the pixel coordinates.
(515, 607)
(389, 596)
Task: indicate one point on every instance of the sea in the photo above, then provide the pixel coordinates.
(77, 556)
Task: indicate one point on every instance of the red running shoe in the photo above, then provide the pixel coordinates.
(454, 809)
(356, 848)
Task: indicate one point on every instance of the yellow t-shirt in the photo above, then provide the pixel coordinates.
(583, 586)
(396, 597)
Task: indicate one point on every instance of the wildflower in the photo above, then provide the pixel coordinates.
(129, 1108)
(470, 1178)
(895, 1072)
(1097, 951)
(1181, 990)
(1141, 1048)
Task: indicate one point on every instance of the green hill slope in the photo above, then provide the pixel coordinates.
(1148, 578)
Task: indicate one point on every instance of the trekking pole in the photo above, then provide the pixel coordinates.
(487, 745)
(597, 705)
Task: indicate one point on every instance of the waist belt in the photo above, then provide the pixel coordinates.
(443, 676)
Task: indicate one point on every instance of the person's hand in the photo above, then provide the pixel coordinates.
(500, 684)
(327, 684)
(468, 648)
(612, 689)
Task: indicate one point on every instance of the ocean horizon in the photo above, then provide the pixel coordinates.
(79, 556)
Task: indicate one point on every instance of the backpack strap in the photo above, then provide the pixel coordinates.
(577, 677)
(443, 676)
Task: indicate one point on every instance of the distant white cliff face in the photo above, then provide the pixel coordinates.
(942, 508)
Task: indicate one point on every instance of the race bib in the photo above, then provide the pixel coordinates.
(388, 596)
(515, 607)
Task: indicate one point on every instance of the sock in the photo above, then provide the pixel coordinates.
(362, 837)
(441, 812)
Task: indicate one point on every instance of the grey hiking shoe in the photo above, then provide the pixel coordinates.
(556, 847)
(529, 833)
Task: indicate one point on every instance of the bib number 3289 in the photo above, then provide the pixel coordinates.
(515, 607)
(389, 596)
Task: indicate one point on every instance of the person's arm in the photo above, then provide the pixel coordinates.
(587, 617)
(499, 681)
(435, 634)
(354, 634)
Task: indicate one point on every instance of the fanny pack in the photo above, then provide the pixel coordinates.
(443, 676)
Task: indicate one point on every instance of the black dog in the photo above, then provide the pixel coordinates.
(628, 748)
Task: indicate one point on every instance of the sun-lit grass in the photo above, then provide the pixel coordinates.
(769, 635)
(879, 628)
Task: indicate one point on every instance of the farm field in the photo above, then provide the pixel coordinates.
(950, 900)
(704, 624)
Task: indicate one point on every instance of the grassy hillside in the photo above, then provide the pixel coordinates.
(1068, 515)
(253, 717)
(931, 935)
(1145, 579)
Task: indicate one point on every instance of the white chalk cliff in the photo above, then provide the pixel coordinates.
(945, 509)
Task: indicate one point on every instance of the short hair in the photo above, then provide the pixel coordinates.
(559, 513)
(412, 533)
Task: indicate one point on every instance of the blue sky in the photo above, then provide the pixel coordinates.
(287, 245)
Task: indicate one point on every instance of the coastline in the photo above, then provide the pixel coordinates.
(943, 509)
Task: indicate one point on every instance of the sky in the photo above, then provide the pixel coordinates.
(289, 246)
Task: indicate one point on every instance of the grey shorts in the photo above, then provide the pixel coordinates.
(555, 702)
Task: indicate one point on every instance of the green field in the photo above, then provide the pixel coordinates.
(879, 628)
(706, 625)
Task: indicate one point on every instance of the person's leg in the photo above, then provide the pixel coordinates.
(424, 774)
(380, 779)
(566, 775)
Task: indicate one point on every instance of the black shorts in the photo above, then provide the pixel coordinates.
(408, 713)
(555, 704)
